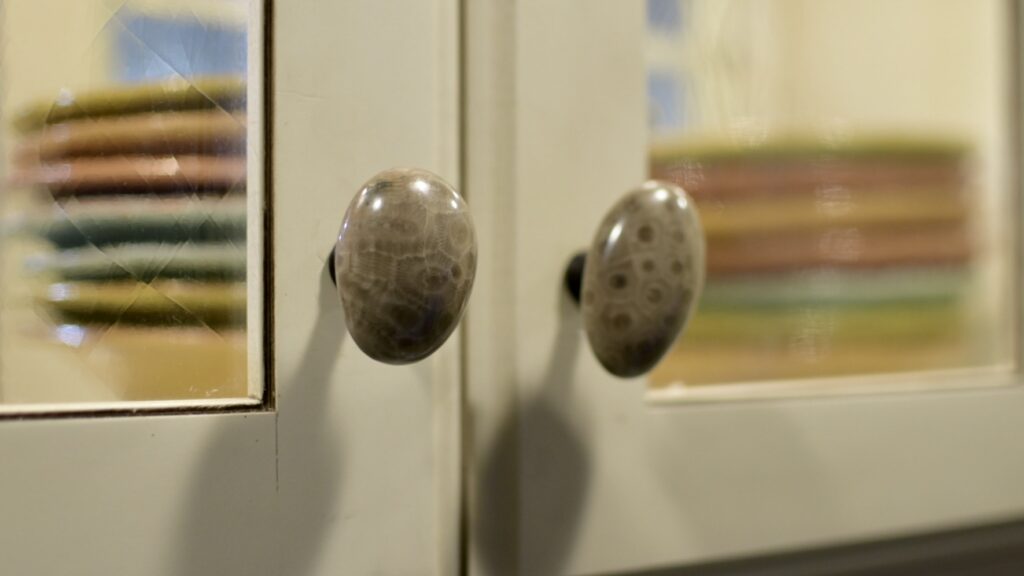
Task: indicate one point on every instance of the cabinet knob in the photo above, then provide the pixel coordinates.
(404, 264)
(641, 278)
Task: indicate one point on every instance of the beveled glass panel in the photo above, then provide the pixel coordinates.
(127, 154)
(854, 163)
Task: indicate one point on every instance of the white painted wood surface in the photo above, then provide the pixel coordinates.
(573, 472)
(359, 87)
(148, 495)
(357, 471)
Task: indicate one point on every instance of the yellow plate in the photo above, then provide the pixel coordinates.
(163, 303)
(699, 365)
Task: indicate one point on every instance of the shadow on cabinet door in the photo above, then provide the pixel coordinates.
(541, 454)
(312, 459)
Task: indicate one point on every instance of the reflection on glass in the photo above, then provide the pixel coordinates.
(851, 162)
(124, 269)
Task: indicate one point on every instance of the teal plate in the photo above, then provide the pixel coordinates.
(123, 221)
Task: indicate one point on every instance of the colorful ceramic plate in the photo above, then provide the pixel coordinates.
(145, 262)
(803, 146)
(757, 180)
(164, 303)
(840, 248)
(227, 93)
(827, 328)
(750, 365)
(105, 222)
(135, 174)
(200, 132)
(810, 166)
(832, 209)
(837, 288)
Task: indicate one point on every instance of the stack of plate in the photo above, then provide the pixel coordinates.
(825, 259)
(142, 207)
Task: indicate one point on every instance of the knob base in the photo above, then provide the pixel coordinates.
(330, 268)
(574, 275)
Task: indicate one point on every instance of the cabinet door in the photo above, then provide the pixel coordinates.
(851, 372)
(179, 392)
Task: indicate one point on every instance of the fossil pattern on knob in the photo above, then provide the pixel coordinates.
(405, 263)
(644, 273)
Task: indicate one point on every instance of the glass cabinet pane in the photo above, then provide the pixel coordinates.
(126, 158)
(854, 165)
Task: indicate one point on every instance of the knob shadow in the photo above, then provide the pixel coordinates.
(309, 451)
(309, 463)
(537, 471)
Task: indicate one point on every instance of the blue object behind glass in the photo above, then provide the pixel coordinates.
(664, 16)
(667, 101)
(149, 48)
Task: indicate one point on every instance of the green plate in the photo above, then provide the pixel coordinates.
(837, 288)
(823, 328)
(226, 92)
(145, 262)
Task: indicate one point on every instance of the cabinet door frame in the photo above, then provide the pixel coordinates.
(570, 471)
(347, 466)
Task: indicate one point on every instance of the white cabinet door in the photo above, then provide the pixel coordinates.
(572, 471)
(367, 453)
(328, 462)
